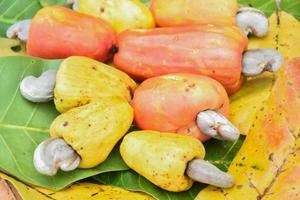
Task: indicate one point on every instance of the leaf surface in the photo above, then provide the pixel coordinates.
(268, 164)
(45, 3)
(12, 11)
(76, 191)
(10, 47)
(246, 102)
(283, 36)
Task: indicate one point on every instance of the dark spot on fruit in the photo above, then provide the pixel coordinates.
(271, 156)
(239, 187)
(114, 49)
(192, 85)
(130, 91)
(65, 123)
(255, 167)
(239, 164)
(94, 194)
(89, 125)
(102, 10)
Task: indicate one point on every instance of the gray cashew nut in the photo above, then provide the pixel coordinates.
(252, 21)
(19, 30)
(54, 154)
(256, 61)
(216, 125)
(204, 172)
(39, 89)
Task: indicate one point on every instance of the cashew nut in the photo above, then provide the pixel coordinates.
(39, 89)
(53, 154)
(256, 61)
(75, 4)
(19, 30)
(204, 172)
(217, 126)
(252, 21)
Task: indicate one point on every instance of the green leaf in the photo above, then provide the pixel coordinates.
(267, 6)
(220, 153)
(292, 7)
(12, 11)
(23, 125)
(45, 3)
(130, 180)
(147, 2)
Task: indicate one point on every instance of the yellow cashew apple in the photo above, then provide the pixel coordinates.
(161, 158)
(82, 80)
(187, 12)
(121, 14)
(93, 130)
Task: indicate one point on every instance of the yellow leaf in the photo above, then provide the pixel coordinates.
(6, 47)
(268, 164)
(25, 191)
(80, 191)
(245, 103)
(286, 38)
(283, 35)
(90, 191)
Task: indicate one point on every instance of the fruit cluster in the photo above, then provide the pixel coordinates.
(187, 56)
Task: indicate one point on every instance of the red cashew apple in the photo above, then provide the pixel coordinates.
(211, 50)
(184, 103)
(57, 32)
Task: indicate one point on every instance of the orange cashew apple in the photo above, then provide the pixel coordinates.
(184, 103)
(211, 50)
(57, 32)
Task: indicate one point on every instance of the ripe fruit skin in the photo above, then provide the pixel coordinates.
(82, 80)
(121, 14)
(161, 157)
(188, 12)
(170, 103)
(210, 50)
(58, 32)
(94, 129)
